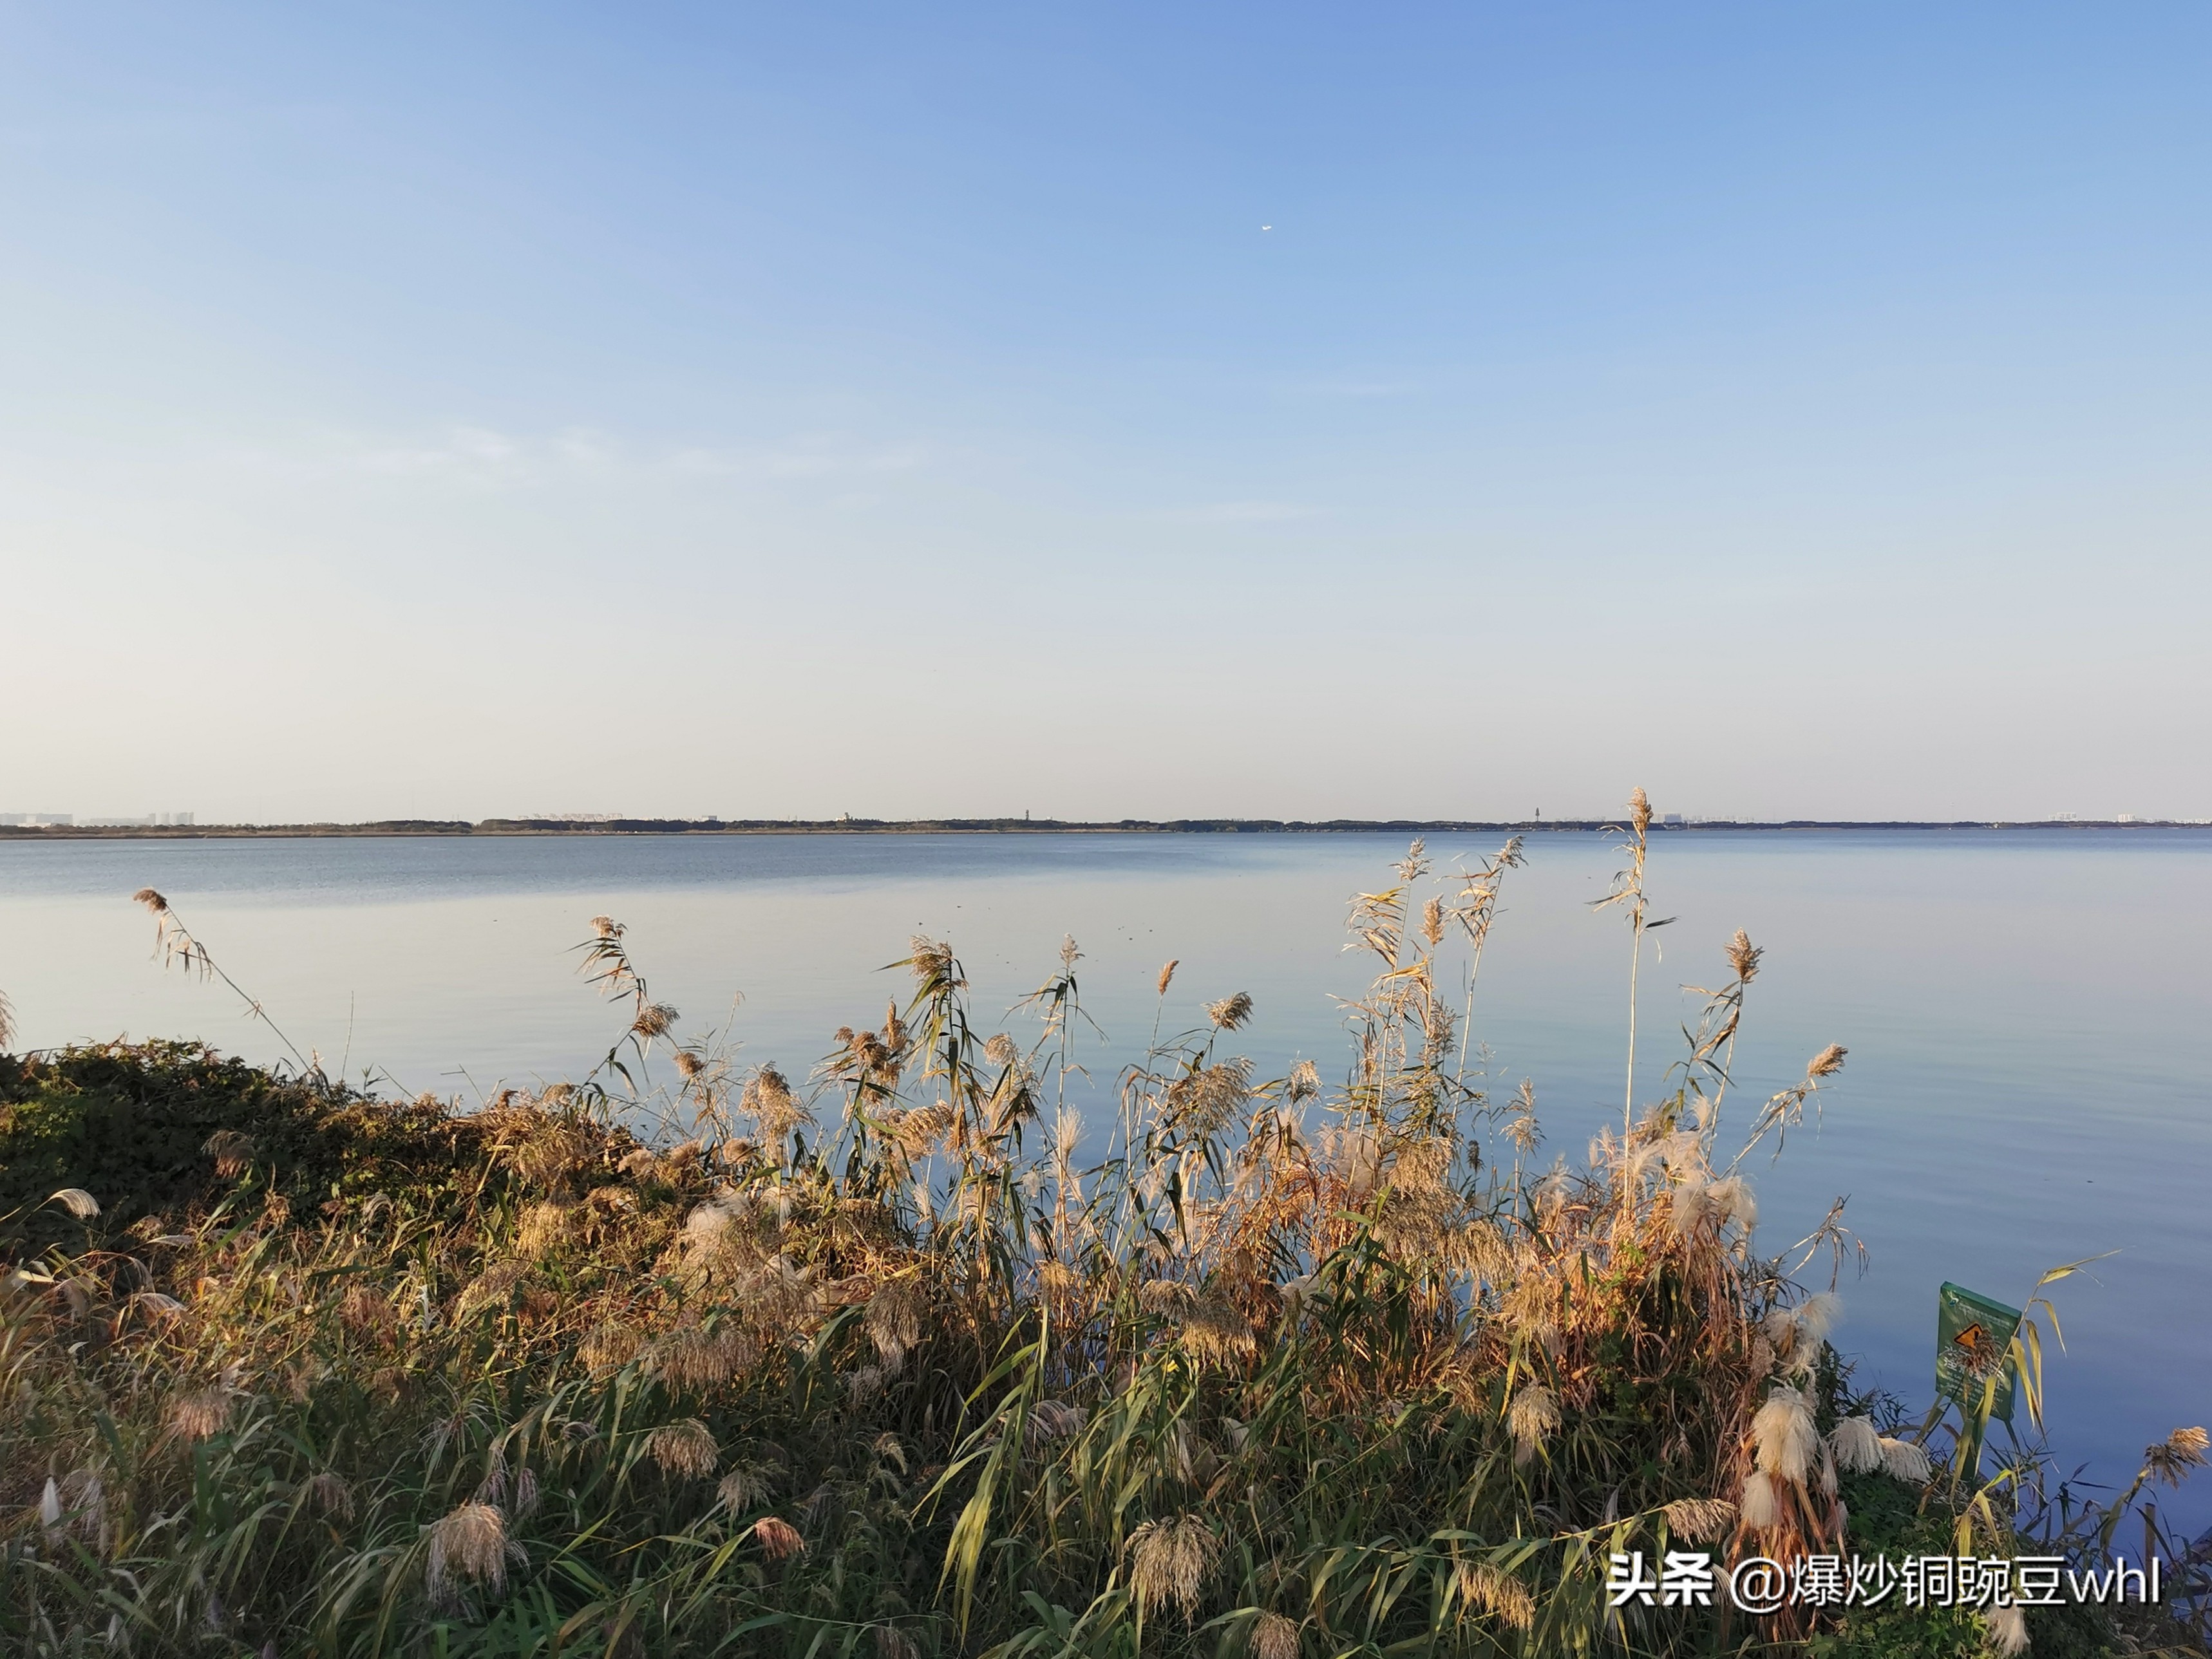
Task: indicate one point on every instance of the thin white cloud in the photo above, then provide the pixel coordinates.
(486, 455)
(472, 449)
(1246, 513)
(805, 460)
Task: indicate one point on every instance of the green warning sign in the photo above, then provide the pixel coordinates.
(1973, 1349)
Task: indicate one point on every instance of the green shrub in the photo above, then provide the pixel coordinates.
(144, 1126)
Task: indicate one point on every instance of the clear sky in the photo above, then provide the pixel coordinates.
(463, 409)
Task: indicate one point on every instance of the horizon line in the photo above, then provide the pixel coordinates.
(848, 825)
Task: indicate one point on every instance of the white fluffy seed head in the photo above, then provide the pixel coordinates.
(1779, 1328)
(1906, 1462)
(1786, 1439)
(1732, 1198)
(1762, 1502)
(2007, 1628)
(1689, 1206)
(78, 1202)
(1857, 1445)
(1820, 1316)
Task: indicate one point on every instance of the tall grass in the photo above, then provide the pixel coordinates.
(876, 1363)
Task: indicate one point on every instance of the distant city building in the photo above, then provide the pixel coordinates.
(68, 821)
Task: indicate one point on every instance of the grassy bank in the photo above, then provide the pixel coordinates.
(878, 1362)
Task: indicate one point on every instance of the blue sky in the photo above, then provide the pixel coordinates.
(484, 410)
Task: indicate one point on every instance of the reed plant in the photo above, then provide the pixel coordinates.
(877, 1362)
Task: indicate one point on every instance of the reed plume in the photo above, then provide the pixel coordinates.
(684, 1448)
(1274, 1637)
(1231, 1012)
(2172, 1458)
(778, 1539)
(1170, 1561)
(469, 1544)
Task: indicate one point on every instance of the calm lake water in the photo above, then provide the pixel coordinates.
(2029, 1013)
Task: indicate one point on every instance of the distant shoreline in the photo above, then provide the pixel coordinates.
(516, 827)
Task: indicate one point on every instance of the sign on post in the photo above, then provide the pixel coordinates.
(1973, 1344)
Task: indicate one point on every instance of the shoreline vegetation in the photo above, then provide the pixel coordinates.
(617, 826)
(901, 1359)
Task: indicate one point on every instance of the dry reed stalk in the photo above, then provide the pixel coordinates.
(173, 942)
(1628, 889)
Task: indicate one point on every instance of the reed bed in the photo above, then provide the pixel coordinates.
(878, 1362)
